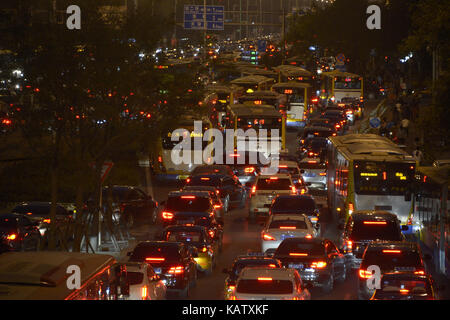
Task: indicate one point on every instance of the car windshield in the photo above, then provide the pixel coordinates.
(188, 204)
(391, 259)
(135, 277)
(295, 204)
(184, 236)
(254, 286)
(273, 184)
(288, 224)
(293, 247)
(376, 230)
(156, 253)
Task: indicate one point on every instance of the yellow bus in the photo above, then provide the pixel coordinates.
(44, 275)
(298, 101)
(337, 85)
(287, 73)
(254, 83)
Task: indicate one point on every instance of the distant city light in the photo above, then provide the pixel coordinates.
(312, 48)
(409, 56)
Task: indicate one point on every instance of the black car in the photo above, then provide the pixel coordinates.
(172, 261)
(18, 233)
(364, 227)
(246, 261)
(217, 202)
(315, 132)
(314, 147)
(246, 165)
(338, 117)
(317, 260)
(321, 122)
(39, 213)
(231, 191)
(389, 256)
(212, 169)
(130, 205)
(405, 286)
(296, 204)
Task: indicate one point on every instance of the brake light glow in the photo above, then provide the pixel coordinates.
(151, 259)
(288, 228)
(419, 272)
(231, 288)
(295, 254)
(312, 161)
(204, 249)
(318, 264)
(217, 206)
(303, 191)
(294, 189)
(264, 279)
(364, 274)
(167, 215)
(273, 178)
(308, 236)
(322, 174)
(176, 270)
(253, 189)
(349, 245)
(187, 197)
(268, 237)
(375, 222)
(211, 233)
(392, 251)
(144, 292)
(272, 265)
(404, 291)
(249, 170)
(337, 125)
(205, 179)
(46, 220)
(11, 236)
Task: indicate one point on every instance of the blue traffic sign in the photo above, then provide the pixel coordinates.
(375, 122)
(194, 17)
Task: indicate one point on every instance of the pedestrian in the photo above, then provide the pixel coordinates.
(404, 126)
(418, 155)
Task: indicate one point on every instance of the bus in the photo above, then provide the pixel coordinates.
(43, 275)
(265, 97)
(254, 83)
(337, 85)
(298, 98)
(165, 168)
(258, 117)
(287, 73)
(255, 71)
(220, 96)
(368, 172)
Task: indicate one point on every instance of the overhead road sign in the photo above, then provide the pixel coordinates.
(194, 17)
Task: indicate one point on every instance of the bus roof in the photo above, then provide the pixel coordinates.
(337, 73)
(255, 79)
(292, 84)
(262, 94)
(242, 110)
(42, 275)
(290, 70)
(257, 71)
(358, 138)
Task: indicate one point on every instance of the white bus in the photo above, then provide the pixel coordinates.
(368, 172)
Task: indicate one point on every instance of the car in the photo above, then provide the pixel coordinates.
(318, 260)
(246, 165)
(314, 147)
(291, 168)
(282, 226)
(242, 262)
(315, 132)
(296, 204)
(18, 233)
(266, 188)
(231, 191)
(217, 202)
(320, 122)
(131, 205)
(39, 213)
(144, 283)
(265, 283)
(221, 169)
(389, 256)
(314, 173)
(339, 119)
(364, 227)
(173, 262)
(405, 286)
(197, 236)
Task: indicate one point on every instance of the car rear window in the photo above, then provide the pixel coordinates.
(306, 205)
(253, 263)
(251, 286)
(402, 261)
(203, 181)
(184, 236)
(193, 219)
(310, 248)
(288, 224)
(273, 184)
(155, 254)
(375, 230)
(288, 170)
(135, 277)
(188, 204)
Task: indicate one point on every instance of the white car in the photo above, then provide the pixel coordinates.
(291, 168)
(265, 283)
(265, 189)
(282, 226)
(314, 173)
(145, 284)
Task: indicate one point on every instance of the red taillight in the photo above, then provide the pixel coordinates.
(152, 259)
(249, 170)
(295, 254)
(392, 251)
(264, 279)
(176, 270)
(364, 274)
(253, 189)
(167, 215)
(338, 126)
(294, 190)
(268, 237)
(47, 220)
(205, 179)
(421, 272)
(322, 174)
(318, 264)
(144, 292)
(11, 236)
(187, 197)
(204, 249)
(349, 245)
(188, 180)
(404, 291)
(375, 222)
(160, 159)
(308, 236)
(211, 233)
(288, 228)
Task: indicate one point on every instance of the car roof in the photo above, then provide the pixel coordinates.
(275, 273)
(317, 240)
(317, 128)
(279, 175)
(292, 196)
(298, 217)
(250, 257)
(159, 244)
(204, 194)
(199, 188)
(373, 214)
(287, 163)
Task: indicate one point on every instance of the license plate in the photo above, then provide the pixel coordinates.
(405, 269)
(309, 174)
(186, 222)
(298, 266)
(157, 270)
(286, 236)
